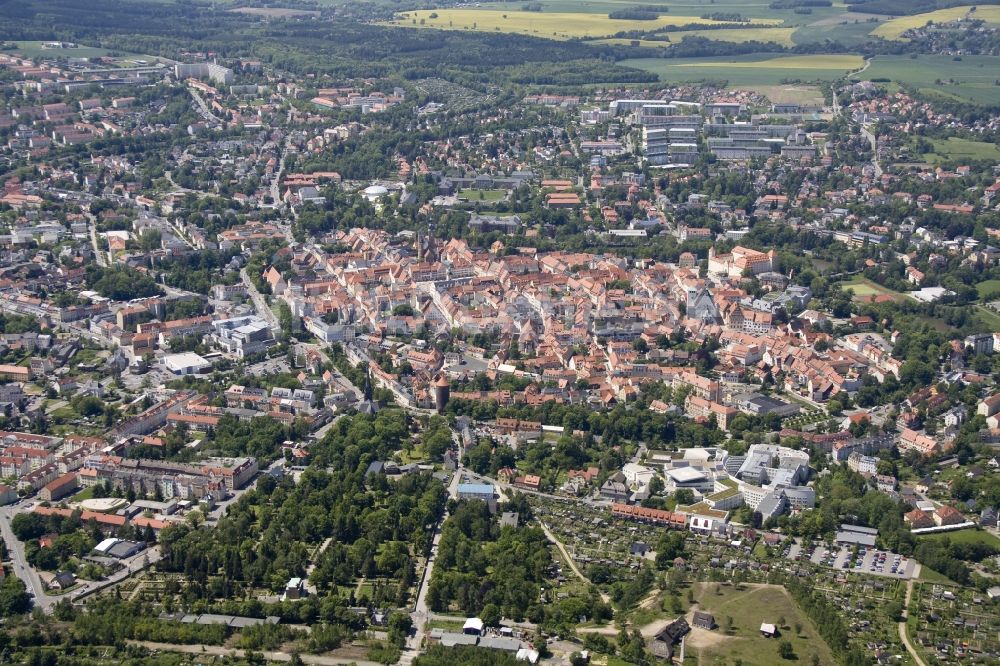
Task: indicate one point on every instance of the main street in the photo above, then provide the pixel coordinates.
(421, 613)
(21, 568)
(263, 311)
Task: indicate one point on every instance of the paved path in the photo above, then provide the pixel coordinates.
(903, 635)
(569, 560)
(219, 651)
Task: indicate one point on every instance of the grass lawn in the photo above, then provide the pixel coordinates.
(416, 454)
(965, 536)
(483, 195)
(894, 28)
(552, 25)
(970, 78)
(35, 50)
(748, 608)
(863, 287)
(989, 318)
(931, 576)
(954, 148)
(987, 287)
(751, 70)
(85, 494)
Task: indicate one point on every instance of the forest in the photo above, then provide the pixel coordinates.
(342, 48)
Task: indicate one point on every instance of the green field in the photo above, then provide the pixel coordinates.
(553, 25)
(968, 79)
(489, 196)
(931, 576)
(987, 287)
(863, 288)
(778, 35)
(965, 536)
(35, 50)
(988, 318)
(954, 148)
(848, 28)
(751, 70)
(748, 608)
(747, 8)
(895, 28)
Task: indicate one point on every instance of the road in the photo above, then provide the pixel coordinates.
(21, 568)
(279, 172)
(263, 311)
(102, 259)
(220, 651)
(203, 109)
(903, 634)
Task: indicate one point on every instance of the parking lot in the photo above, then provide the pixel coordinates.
(870, 561)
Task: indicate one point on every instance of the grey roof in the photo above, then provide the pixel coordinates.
(859, 529)
(500, 643)
(451, 638)
(856, 537)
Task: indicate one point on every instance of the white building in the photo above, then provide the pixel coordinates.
(187, 363)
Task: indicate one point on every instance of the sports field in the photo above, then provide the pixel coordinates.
(751, 70)
(966, 79)
(552, 25)
(895, 28)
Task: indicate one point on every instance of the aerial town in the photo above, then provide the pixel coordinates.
(334, 357)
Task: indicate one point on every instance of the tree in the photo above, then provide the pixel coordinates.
(14, 600)
(727, 624)
(684, 496)
(798, 628)
(785, 650)
(490, 615)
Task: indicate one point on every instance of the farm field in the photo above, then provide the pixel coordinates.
(954, 148)
(848, 28)
(760, 70)
(778, 35)
(970, 79)
(748, 608)
(553, 25)
(895, 28)
(748, 8)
